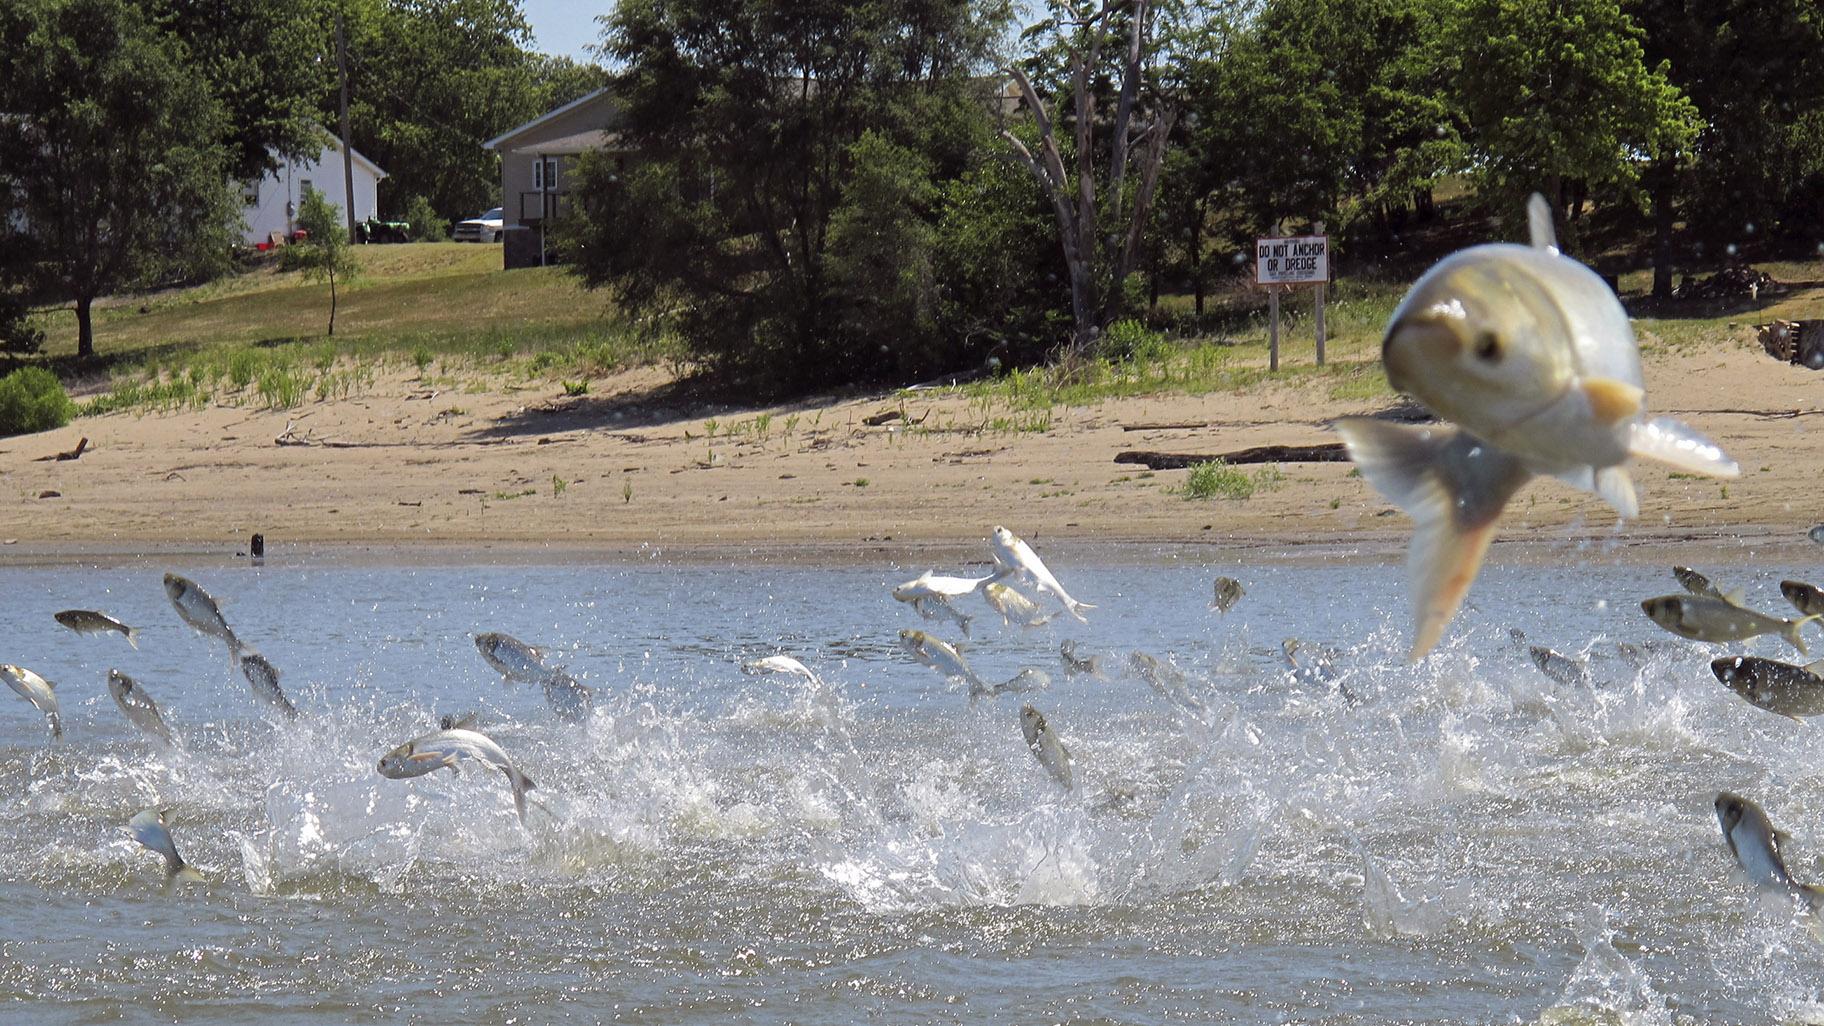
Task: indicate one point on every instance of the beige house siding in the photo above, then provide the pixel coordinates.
(522, 199)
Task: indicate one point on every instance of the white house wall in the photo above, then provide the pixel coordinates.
(266, 213)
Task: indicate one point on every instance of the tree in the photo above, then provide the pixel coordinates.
(779, 150)
(324, 253)
(1558, 92)
(113, 161)
(1102, 209)
(430, 79)
(269, 64)
(1755, 71)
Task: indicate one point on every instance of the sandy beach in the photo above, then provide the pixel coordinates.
(628, 468)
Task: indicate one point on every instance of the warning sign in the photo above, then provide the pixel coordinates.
(1296, 261)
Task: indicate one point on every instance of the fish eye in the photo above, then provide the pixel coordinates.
(1488, 347)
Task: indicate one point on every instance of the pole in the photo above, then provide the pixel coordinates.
(1273, 331)
(1321, 287)
(348, 160)
(544, 204)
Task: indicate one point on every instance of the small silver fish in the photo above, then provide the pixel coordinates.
(934, 585)
(780, 664)
(1094, 665)
(196, 608)
(442, 749)
(88, 621)
(942, 657)
(1045, 746)
(467, 721)
(1806, 598)
(263, 677)
(1228, 592)
(1561, 668)
(137, 706)
(1816, 534)
(38, 691)
(1030, 678)
(1012, 555)
(1702, 618)
(569, 698)
(936, 607)
(1014, 606)
(1168, 680)
(513, 658)
(1777, 687)
(151, 829)
(1756, 844)
(1694, 582)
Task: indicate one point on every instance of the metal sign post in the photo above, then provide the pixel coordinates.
(1283, 262)
(1273, 329)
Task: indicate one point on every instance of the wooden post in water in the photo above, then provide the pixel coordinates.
(1273, 328)
(1317, 228)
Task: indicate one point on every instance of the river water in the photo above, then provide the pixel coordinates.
(1464, 840)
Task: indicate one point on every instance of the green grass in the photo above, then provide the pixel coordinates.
(1217, 479)
(258, 336)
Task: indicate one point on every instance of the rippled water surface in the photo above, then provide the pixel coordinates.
(1460, 841)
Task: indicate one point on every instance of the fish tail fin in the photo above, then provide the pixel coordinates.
(1676, 444)
(1539, 230)
(133, 637)
(56, 727)
(1617, 489)
(520, 784)
(1791, 632)
(186, 873)
(1454, 487)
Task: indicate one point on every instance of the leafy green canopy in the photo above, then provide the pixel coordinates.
(779, 212)
(115, 168)
(1555, 90)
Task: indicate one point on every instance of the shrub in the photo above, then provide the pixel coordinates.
(32, 399)
(17, 332)
(426, 224)
(1133, 342)
(1213, 478)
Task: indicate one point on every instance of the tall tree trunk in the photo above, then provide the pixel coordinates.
(1664, 179)
(332, 304)
(85, 328)
(1196, 253)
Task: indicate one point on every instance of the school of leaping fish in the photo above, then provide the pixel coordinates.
(1526, 358)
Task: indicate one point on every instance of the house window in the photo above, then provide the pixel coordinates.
(544, 174)
(303, 187)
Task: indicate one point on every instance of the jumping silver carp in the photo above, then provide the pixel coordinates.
(1696, 583)
(933, 585)
(38, 691)
(571, 699)
(513, 658)
(1228, 591)
(88, 621)
(1777, 687)
(936, 607)
(1016, 557)
(150, 828)
(263, 678)
(1530, 355)
(1702, 618)
(942, 657)
(1014, 606)
(1168, 680)
(1045, 746)
(1756, 844)
(1093, 665)
(137, 706)
(442, 749)
(1561, 668)
(780, 664)
(196, 608)
(1806, 598)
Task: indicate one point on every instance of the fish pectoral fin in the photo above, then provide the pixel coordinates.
(1791, 632)
(1735, 597)
(1539, 228)
(1612, 401)
(1815, 668)
(1454, 487)
(1617, 489)
(1676, 444)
